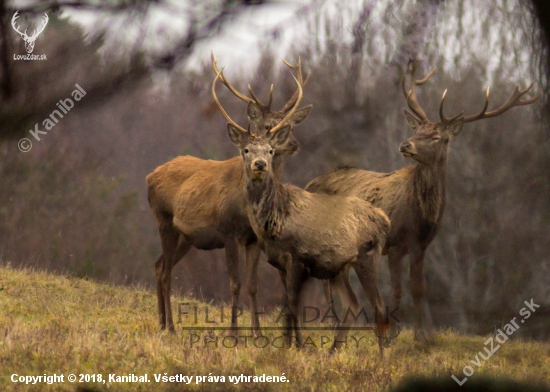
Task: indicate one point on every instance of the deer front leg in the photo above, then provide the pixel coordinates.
(295, 276)
(232, 261)
(252, 258)
(416, 262)
(395, 263)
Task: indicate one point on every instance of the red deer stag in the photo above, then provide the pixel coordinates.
(306, 234)
(414, 196)
(201, 203)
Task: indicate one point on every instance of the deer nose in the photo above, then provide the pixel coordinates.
(405, 146)
(260, 164)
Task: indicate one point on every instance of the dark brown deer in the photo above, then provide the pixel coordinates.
(414, 196)
(305, 234)
(201, 203)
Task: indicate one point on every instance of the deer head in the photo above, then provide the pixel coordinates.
(261, 115)
(257, 151)
(430, 140)
(29, 41)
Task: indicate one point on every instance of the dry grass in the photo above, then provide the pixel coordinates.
(57, 324)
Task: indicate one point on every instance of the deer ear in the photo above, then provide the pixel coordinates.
(300, 115)
(254, 112)
(456, 127)
(414, 123)
(280, 137)
(238, 138)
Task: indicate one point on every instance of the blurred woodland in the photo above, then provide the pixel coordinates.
(77, 203)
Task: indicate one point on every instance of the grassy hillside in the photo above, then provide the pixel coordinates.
(55, 324)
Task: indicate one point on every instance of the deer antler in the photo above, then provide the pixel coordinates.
(298, 69)
(514, 100)
(224, 81)
(291, 112)
(13, 19)
(220, 76)
(264, 108)
(451, 120)
(412, 100)
(238, 94)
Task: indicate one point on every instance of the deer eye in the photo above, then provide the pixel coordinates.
(246, 151)
(267, 127)
(271, 152)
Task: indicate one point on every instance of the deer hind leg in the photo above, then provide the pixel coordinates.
(173, 249)
(252, 258)
(328, 292)
(340, 284)
(367, 272)
(159, 268)
(232, 261)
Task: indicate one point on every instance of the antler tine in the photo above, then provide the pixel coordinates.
(261, 105)
(448, 121)
(225, 82)
(412, 100)
(422, 81)
(291, 112)
(229, 120)
(514, 100)
(298, 70)
(270, 97)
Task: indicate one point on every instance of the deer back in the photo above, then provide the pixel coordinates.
(391, 192)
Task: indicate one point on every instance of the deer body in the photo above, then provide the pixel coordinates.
(324, 233)
(201, 203)
(412, 197)
(310, 235)
(205, 210)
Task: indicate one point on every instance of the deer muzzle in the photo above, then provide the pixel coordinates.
(407, 149)
(259, 168)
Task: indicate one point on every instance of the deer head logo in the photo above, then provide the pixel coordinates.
(29, 41)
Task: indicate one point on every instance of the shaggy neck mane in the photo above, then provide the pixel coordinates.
(265, 198)
(429, 189)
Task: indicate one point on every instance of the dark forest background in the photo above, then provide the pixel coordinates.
(77, 204)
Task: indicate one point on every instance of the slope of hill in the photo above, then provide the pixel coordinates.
(108, 338)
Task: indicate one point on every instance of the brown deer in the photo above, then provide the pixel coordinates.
(305, 234)
(201, 203)
(414, 196)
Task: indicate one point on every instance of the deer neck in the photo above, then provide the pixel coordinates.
(429, 189)
(277, 166)
(266, 207)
